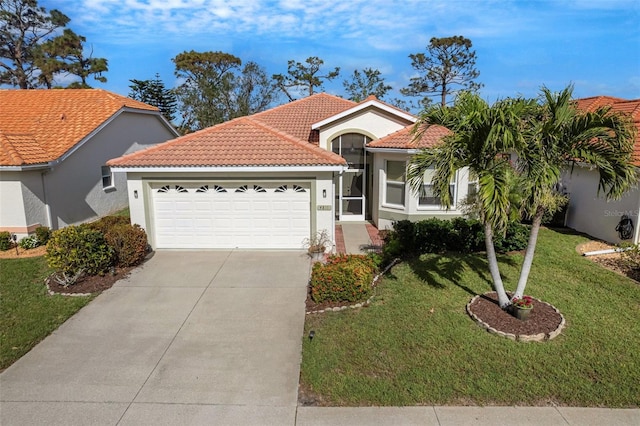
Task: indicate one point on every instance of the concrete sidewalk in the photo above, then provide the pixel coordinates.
(456, 416)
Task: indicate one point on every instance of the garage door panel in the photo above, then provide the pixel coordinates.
(251, 215)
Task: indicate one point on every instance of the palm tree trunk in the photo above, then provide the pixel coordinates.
(528, 255)
(503, 299)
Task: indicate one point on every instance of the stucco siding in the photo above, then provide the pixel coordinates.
(12, 214)
(384, 214)
(369, 122)
(591, 213)
(74, 187)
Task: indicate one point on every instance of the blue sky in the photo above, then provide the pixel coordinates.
(520, 45)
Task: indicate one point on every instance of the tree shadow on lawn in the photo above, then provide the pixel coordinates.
(435, 270)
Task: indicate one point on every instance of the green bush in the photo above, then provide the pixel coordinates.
(344, 278)
(459, 235)
(43, 234)
(29, 243)
(5, 240)
(129, 243)
(515, 238)
(79, 248)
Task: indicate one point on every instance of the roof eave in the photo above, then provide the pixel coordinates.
(361, 107)
(393, 150)
(229, 169)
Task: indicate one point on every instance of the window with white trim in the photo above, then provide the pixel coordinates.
(107, 177)
(427, 196)
(472, 186)
(395, 182)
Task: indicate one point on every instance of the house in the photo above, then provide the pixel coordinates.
(272, 179)
(54, 145)
(590, 212)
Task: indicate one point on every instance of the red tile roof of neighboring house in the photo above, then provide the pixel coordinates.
(405, 138)
(629, 107)
(39, 126)
(277, 137)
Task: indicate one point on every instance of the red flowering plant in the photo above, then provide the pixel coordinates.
(524, 302)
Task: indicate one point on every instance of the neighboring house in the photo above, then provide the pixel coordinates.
(54, 145)
(590, 212)
(274, 178)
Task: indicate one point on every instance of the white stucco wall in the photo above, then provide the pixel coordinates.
(141, 207)
(592, 214)
(384, 214)
(370, 122)
(11, 212)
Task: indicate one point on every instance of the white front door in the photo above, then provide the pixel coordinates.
(250, 215)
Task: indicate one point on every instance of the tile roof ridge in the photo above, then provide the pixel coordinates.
(297, 101)
(311, 147)
(9, 148)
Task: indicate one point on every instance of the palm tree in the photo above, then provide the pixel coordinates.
(481, 135)
(557, 137)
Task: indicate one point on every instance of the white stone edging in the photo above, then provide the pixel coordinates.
(53, 293)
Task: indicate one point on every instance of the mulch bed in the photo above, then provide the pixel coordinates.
(90, 284)
(542, 319)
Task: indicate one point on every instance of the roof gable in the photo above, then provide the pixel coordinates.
(39, 126)
(370, 103)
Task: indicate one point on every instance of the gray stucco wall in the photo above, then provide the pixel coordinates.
(592, 214)
(74, 187)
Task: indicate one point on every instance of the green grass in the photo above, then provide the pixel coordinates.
(416, 344)
(27, 313)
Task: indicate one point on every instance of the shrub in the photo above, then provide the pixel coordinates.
(43, 234)
(515, 238)
(457, 235)
(129, 243)
(344, 278)
(29, 243)
(5, 240)
(79, 248)
(104, 224)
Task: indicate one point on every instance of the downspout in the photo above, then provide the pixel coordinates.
(47, 207)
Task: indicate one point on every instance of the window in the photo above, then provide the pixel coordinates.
(107, 177)
(427, 197)
(472, 187)
(396, 171)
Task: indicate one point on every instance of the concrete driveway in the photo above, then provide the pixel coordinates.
(189, 338)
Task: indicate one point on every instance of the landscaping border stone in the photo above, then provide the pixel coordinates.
(541, 337)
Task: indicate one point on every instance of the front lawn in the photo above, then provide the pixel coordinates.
(416, 345)
(27, 313)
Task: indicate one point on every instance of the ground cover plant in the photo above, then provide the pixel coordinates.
(416, 344)
(27, 313)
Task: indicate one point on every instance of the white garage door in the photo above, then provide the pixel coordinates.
(229, 215)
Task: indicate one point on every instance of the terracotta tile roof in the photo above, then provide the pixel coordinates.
(296, 118)
(404, 138)
(244, 141)
(630, 107)
(276, 137)
(38, 126)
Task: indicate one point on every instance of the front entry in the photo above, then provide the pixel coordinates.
(351, 186)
